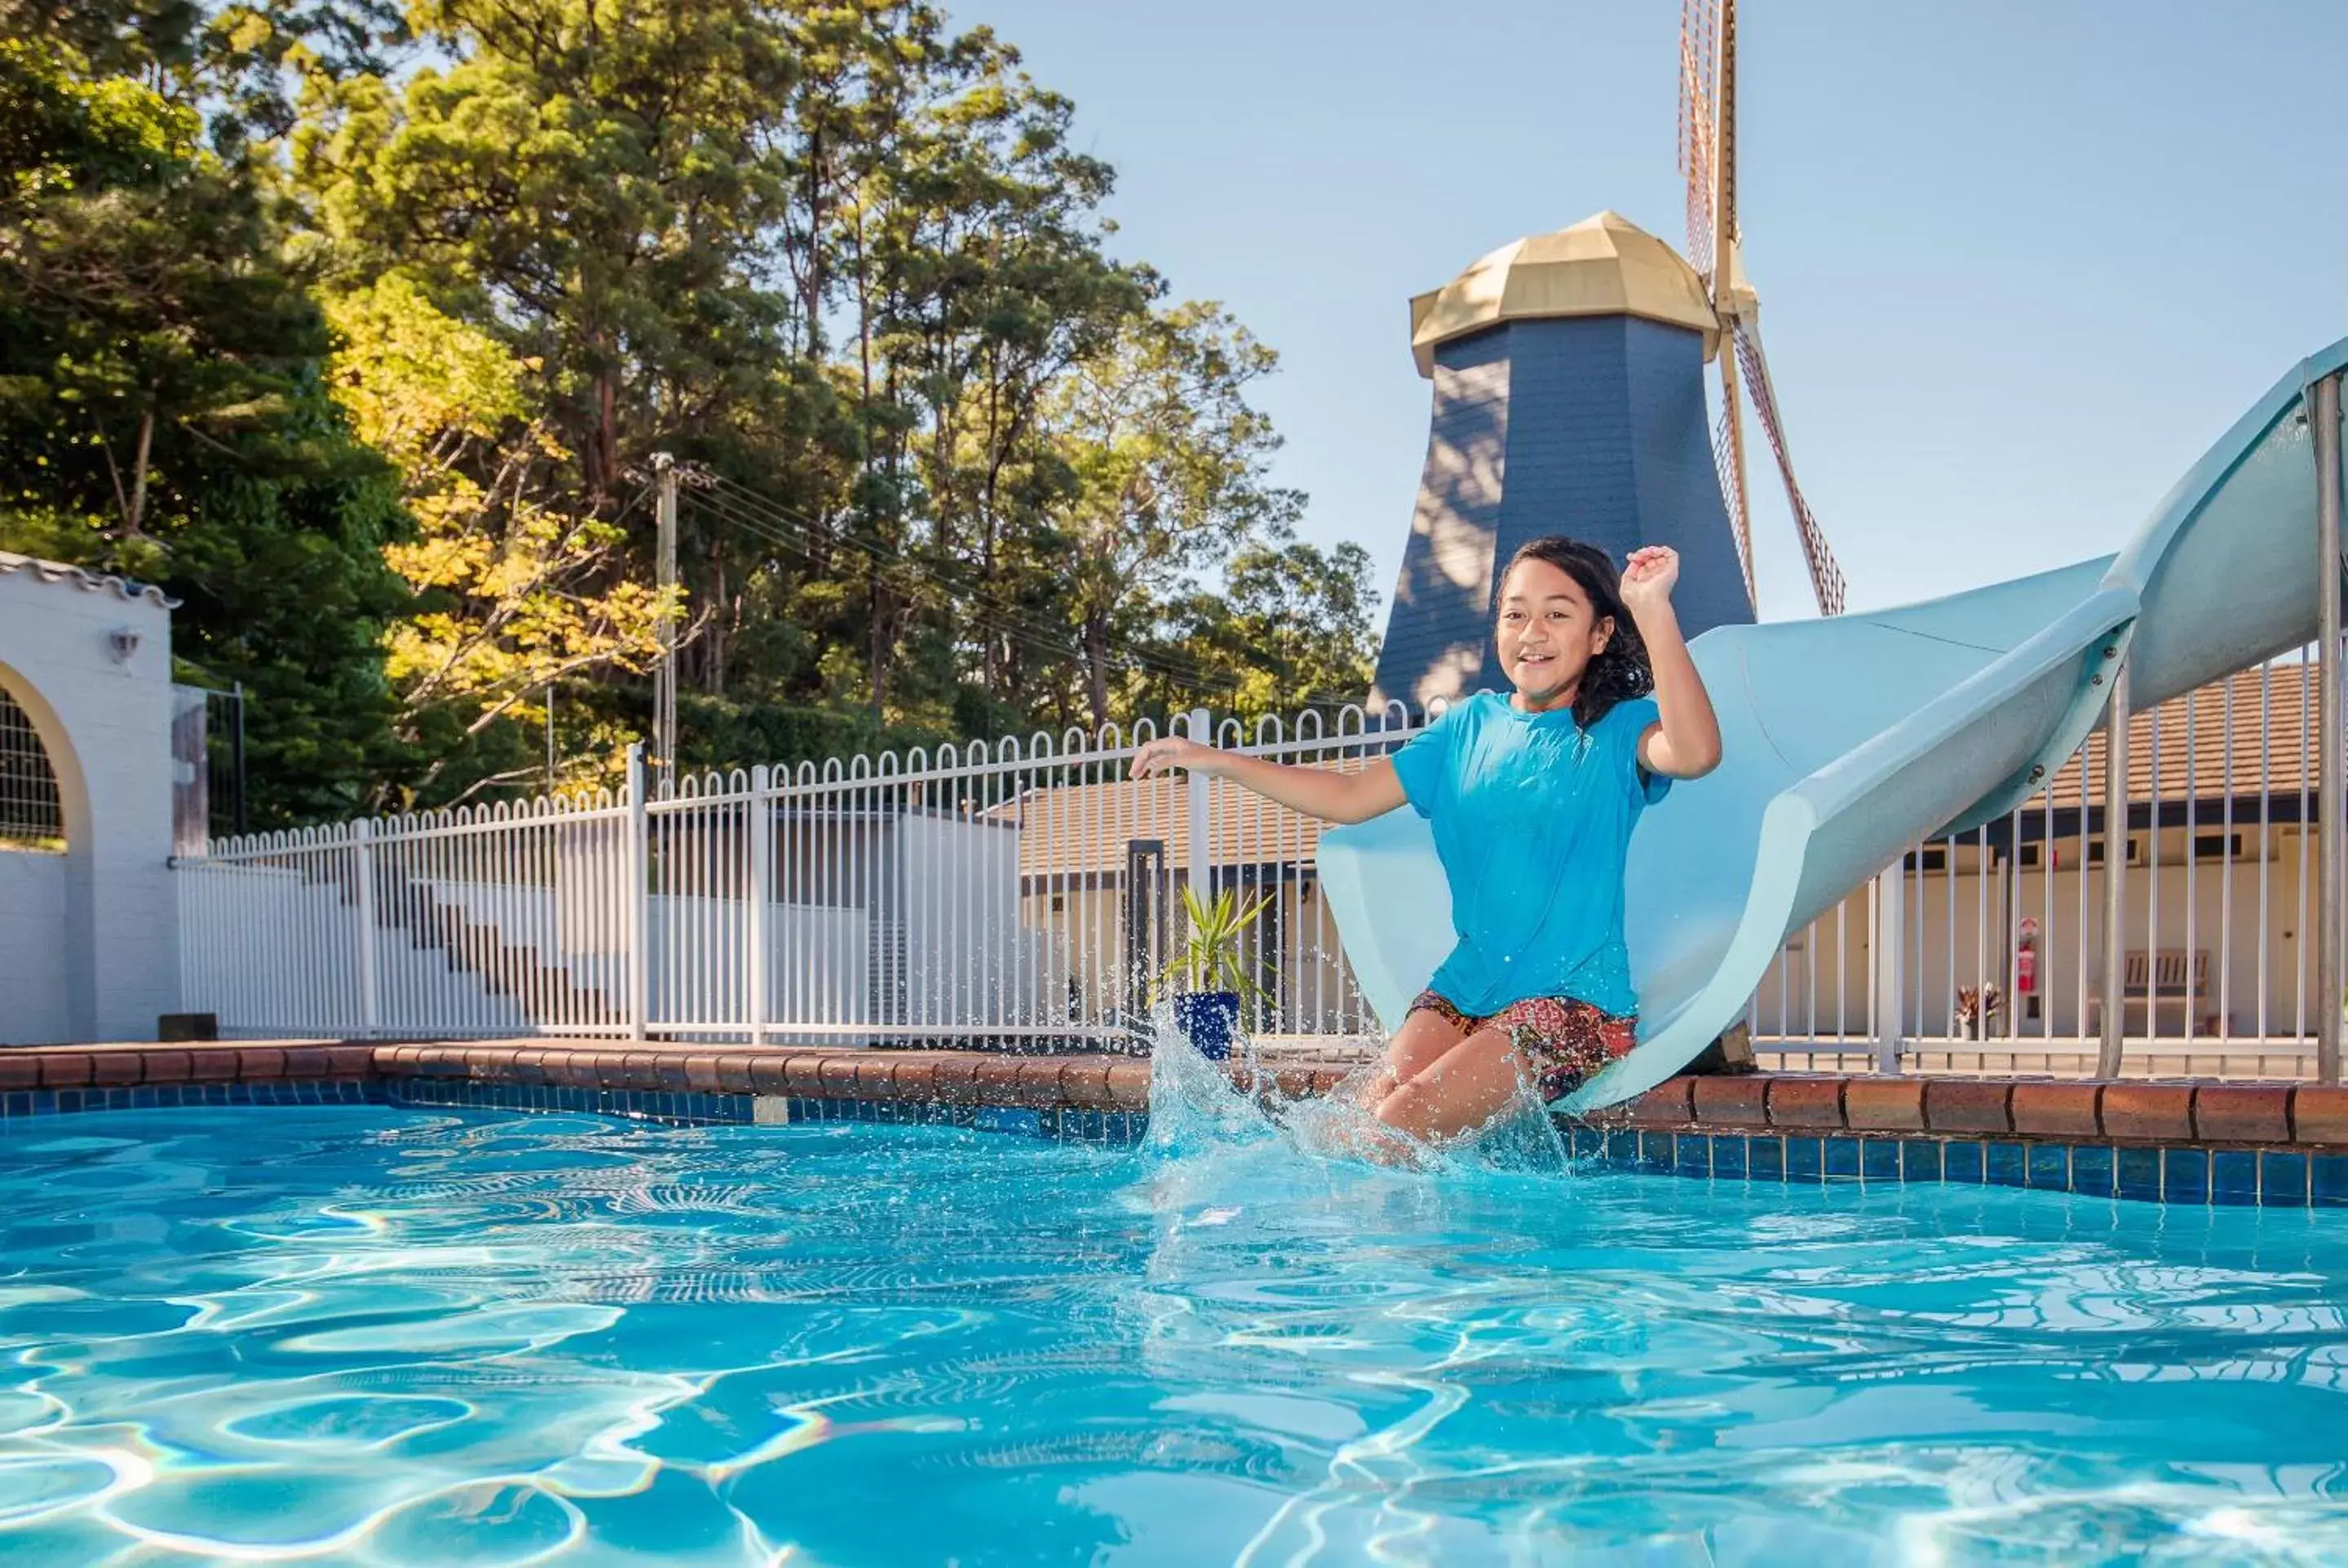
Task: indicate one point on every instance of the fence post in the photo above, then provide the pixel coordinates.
(1201, 860)
(2332, 887)
(1890, 905)
(638, 859)
(2116, 843)
(363, 886)
(762, 826)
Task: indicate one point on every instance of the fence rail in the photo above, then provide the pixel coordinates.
(1026, 892)
(1024, 895)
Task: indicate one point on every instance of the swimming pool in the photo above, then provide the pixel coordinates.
(368, 1334)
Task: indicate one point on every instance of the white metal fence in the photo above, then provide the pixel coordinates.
(1986, 952)
(1023, 894)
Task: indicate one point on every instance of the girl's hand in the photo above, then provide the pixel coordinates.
(1648, 576)
(1162, 756)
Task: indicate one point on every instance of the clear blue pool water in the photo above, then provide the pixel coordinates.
(370, 1335)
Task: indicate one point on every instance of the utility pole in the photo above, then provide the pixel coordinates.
(236, 767)
(664, 684)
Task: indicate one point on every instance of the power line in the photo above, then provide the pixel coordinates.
(883, 553)
(1186, 674)
(975, 604)
(1026, 631)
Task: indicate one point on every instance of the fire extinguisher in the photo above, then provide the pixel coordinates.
(2025, 964)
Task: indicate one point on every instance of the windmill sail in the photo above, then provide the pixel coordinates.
(1826, 574)
(1708, 161)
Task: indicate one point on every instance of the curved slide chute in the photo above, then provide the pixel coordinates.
(1846, 740)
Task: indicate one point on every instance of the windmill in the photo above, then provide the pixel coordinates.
(1708, 160)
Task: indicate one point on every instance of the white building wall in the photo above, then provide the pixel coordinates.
(968, 956)
(103, 708)
(33, 1010)
(2251, 915)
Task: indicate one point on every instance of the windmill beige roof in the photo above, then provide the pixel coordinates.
(1601, 266)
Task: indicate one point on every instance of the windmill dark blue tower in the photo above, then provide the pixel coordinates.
(1569, 399)
(1568, 373)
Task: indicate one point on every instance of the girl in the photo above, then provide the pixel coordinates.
(1531, 798)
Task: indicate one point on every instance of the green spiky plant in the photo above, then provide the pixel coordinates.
(1208, 957)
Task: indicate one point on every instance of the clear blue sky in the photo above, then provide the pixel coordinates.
(2020, 261)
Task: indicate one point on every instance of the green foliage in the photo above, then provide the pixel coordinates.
(364, 349)
(163, 402)
(1291, 628)
(1208, 958)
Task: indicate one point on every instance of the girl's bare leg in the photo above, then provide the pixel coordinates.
(1426, 1038)
(1463, 1089)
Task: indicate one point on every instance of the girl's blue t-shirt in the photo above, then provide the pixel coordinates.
(1533, 817)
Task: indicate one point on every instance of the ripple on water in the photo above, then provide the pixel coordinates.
(37, 1486)
(488, 1523)
(231, 1511)
(347, 1423)
(378, 1336)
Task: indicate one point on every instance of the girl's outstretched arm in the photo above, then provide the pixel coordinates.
(1684, 743)
(1316, 791)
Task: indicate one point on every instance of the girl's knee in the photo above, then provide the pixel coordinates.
(1408, 1108)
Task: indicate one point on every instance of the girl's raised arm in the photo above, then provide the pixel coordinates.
(1684, 743)
(1316, 791)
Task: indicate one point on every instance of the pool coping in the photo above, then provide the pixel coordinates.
(2277, 1144)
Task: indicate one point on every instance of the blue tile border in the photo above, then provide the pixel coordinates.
(2269, 1178)
(1065, 1124)
(21, 1105)
(2272, 1178)
(675, 1108)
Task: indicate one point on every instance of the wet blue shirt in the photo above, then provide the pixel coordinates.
(1532, 818)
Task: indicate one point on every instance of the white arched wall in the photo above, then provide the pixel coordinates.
(97, 958)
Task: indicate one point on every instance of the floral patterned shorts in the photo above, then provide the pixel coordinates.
(1565, 1042)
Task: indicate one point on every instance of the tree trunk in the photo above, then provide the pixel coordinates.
(1097, 667)
(811, 295)
(877, 647)
(713, 673)
(605, 462)
(137, 509)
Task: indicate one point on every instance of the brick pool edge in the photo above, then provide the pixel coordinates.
(2276, 1145)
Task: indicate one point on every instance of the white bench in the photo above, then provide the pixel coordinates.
(2156, 986)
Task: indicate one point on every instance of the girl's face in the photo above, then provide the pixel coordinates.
(1549, 633)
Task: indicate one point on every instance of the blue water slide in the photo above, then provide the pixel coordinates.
(1848, 740)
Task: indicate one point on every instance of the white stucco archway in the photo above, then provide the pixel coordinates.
(89, 939)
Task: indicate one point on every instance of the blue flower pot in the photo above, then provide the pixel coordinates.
(1209, 1019)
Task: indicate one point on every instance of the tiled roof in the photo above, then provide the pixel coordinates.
(2260, 723)
(81, 577)
(1085, 828)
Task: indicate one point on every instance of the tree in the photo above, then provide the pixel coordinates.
(163, 398)
(1293, 626)
(1169, 468)
(514, 592)
(364, 363)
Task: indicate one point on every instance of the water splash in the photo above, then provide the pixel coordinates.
(1198, 1112)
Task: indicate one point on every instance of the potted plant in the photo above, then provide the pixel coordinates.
(1976, 1007)
(1206, 974)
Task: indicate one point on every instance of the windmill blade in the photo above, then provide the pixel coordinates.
(1728, 462)
(1826, 576)
(1707, 152)
(1700, 125)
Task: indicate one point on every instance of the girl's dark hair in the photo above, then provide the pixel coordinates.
(1620, 672)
